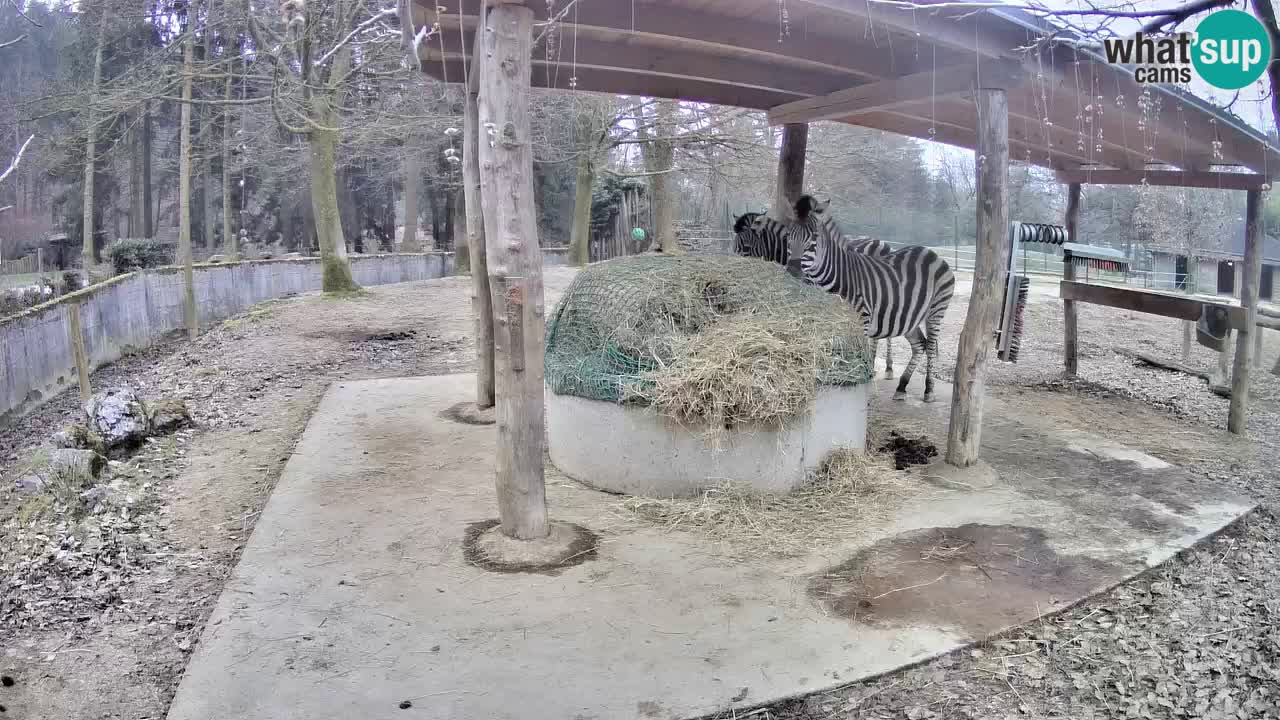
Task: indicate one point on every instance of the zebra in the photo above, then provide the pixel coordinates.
(905, 292)
(760, 236)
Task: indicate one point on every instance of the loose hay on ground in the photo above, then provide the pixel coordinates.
(850, 493)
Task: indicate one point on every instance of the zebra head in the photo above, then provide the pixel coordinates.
(744, 235)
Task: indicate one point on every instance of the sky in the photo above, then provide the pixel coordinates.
(1253, 105)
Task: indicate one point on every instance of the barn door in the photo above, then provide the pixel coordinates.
(1180, 272)
(1265, 288)
(1226, 277)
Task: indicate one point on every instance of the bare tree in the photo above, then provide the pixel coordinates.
(315, 67)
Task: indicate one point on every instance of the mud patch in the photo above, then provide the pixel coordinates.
(468, 414)
(568, 545)
(973, 579)
(908, 451)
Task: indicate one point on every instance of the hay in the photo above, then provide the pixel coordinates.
(708, 341)
(745, 369)
(849, 495)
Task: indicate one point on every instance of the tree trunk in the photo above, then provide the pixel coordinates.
(481, 299)
(323, 144)
(515, 268)
(964, 433)
(324, 206)
(1070, 318)
(412, 189)
(1251, 277)
(229, 244)
(662, 185)
(87, 256)
(184, 192)
(135, 182)
(790, 186)
(148, 217)
(458, 232)
(580, 235)
(446, 222)
(207, 194)
(438, 240)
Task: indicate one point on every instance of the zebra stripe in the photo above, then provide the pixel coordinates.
(760, 236)
(898, 293)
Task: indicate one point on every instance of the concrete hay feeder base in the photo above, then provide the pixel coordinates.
(633, 450)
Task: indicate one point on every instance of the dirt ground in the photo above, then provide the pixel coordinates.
(1199, 637)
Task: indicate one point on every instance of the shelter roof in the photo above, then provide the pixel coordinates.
(875, 64)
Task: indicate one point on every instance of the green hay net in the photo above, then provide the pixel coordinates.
(625, 323)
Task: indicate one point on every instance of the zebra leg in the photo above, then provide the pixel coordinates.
(916, 339)
(932, 327)
(888, 358)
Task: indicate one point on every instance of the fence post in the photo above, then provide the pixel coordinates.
(76, 336)
(40, 260)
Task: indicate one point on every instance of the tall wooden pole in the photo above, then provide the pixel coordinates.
(965, 431)
(1238, 415)
(515, 266)
(184, 191)
(481, 300)
(1071, 360)
(790, 186)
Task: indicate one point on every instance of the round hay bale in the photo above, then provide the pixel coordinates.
(713, 366)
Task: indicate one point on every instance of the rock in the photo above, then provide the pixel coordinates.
(77, 436)
(77, 468)
(167, 414)
(96, 495)
(29, 484)
(119, 417)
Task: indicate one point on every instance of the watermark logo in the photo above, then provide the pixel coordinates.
(1230, 49)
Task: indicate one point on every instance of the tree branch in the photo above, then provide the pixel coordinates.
(17, 159)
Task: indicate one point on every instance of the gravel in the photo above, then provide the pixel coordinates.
(127, 577)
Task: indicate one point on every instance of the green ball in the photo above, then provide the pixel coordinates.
(637, 233)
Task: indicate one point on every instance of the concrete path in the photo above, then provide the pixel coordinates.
(353, 599)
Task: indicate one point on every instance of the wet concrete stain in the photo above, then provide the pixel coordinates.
(467, 414)
(583, 548)
(973, 579)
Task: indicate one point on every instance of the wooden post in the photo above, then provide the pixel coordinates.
(795, 143)
(1238, 416)
(76, 336)
(515, 266)
(481, 300)
(40, 261)
(964, 434)
(1069, 318)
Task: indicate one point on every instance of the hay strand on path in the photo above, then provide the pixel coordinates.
(850, 493)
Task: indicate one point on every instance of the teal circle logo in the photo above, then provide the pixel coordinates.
(1232, 49)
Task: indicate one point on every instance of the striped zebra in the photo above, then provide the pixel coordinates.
(905, 292)
(760, 236)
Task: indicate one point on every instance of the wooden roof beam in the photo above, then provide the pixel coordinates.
(709, 32)
(630, 55)
(1212, 180)
(962, 136)
(618, 82)
(952, 28)
(897, 91)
